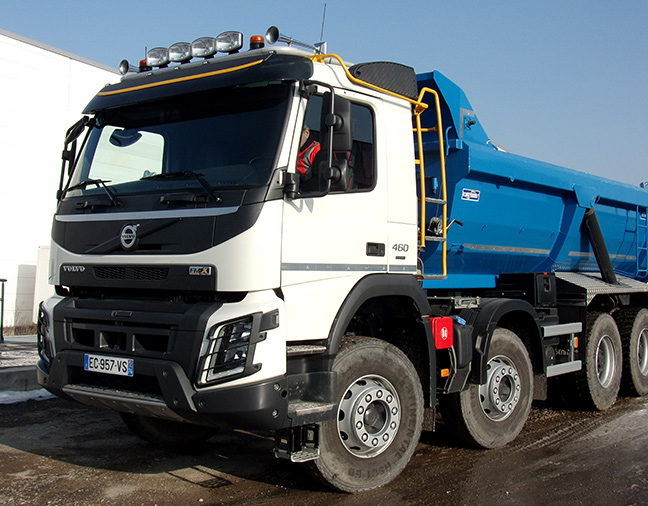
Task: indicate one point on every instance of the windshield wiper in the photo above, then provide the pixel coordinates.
(187, 174)
(99, 183)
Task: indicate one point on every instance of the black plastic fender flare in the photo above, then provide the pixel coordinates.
(484, 321)
(385, 285)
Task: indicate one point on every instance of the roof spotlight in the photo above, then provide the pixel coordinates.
(229, 42)
(204, 47)
(180, 52)
(157, 57)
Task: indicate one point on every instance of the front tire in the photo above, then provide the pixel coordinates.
(493, 414)
(380, 413)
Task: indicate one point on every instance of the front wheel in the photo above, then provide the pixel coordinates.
(379, 417)
(493, 414)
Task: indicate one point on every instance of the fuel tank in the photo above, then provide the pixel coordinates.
(514, 214)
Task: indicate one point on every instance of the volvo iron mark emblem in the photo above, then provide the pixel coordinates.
(128, 236)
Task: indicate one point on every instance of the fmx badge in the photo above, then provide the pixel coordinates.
(200, 270)
(472, 195)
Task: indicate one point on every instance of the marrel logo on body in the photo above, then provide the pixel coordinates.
(74, 268)
(128, 236)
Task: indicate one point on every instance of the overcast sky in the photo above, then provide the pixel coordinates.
(563, 81)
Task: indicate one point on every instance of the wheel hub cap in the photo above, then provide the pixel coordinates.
(642, 352)
(369, 416)
(605, 361)
(501, 393)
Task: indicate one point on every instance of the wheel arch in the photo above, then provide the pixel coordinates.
(394, 308)
(516, 315)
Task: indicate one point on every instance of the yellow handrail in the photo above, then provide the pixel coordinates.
(444, 193)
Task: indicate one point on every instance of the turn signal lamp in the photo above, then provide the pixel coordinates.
(180, 52)
(204, 47)
(157, 57)
(229, 42)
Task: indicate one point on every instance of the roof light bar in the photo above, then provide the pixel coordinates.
(157, 57)
(180, 52)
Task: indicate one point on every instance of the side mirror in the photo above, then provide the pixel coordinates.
(335, 124)
(339, 174)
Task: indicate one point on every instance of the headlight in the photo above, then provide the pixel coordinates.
(227, 350)
(45, 344)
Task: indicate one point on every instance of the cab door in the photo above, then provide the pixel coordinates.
(330, 240)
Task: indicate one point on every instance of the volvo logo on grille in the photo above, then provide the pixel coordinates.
(128, 236)
(74, 268)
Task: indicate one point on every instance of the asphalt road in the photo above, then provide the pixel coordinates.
(57, 453)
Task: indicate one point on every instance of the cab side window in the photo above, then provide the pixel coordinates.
(361, 158)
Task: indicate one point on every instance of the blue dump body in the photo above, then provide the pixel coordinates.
(519, 214)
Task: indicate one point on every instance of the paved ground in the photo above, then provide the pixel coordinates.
(18, 357)
(57, 453)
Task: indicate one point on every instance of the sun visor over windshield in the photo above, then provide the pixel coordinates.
(209, 74)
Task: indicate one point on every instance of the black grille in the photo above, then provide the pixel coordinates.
(137, 273)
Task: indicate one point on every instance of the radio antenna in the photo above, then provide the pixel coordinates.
(323, 19)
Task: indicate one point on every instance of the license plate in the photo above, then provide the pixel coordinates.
(109, 365)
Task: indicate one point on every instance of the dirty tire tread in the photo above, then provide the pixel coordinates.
(462, 411)
(582, 390)
(337, 467)
(633, 383)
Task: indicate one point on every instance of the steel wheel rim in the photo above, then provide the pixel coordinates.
(605, 367)
(369, 416)
(642, 352)
(501, 393)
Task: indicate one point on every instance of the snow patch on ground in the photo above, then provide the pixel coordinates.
(31, 395)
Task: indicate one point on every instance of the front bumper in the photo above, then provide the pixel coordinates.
(161, 388)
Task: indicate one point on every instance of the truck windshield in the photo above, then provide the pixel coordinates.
(224, 138)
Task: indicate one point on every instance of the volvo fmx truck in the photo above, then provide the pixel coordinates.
(205, 279)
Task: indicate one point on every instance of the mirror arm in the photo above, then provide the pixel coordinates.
(291, 185)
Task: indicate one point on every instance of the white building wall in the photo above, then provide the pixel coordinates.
(42, 93)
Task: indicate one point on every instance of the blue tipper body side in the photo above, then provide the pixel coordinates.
(519, 214)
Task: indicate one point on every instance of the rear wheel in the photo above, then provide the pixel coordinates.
(597, 384)
(177, 436)
(633, 328)
(380, 412)
(493, 414)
